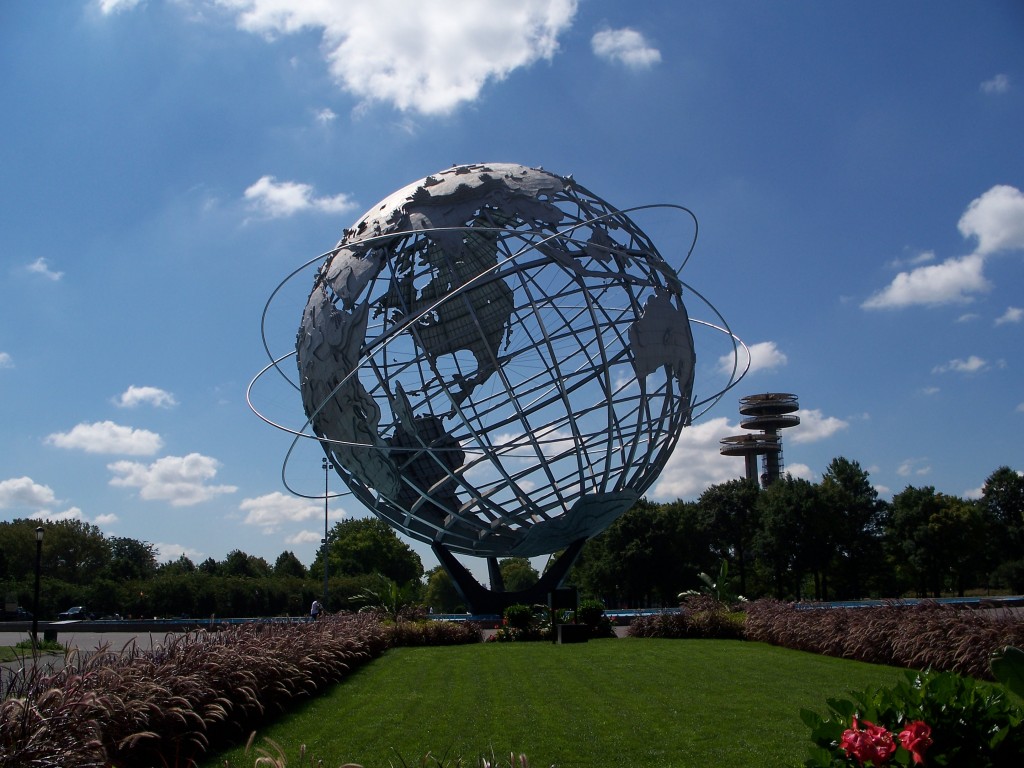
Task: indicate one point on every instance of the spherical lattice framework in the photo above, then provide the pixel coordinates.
(497, 361)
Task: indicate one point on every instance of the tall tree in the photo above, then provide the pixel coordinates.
(794, 540)
(851, 502)
(130, 559)
(288, 565)
(912, 541)
(1002, 499)
(367, 545)
(729, 513)
(517, 573)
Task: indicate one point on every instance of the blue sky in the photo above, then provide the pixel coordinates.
(857, 170)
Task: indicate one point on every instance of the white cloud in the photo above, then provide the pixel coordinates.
(696, 463)
(1011, 315)
(154, 396)
(972, 364)
(108, 7)
(180, 480)
(71, 513)
(325, 116)
(6, 361)
(801, 471)
(108, 437)
(914, 261)
(108, 519)
(41, 267)
(764, 356)
(815, 426)
(166, 553)
(275, 508)
(303, 537)
(996, 219)
(951, 282)
(24, 492)
(275, 199)
(429, 56)
(919, 467)
(998, 84)
(626, 46)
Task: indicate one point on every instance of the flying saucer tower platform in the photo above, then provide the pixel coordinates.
(767, 414)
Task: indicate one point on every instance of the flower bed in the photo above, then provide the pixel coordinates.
(165, 706)
(926, 635)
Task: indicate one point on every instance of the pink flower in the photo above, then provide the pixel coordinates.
(873, 745)
(916, 737)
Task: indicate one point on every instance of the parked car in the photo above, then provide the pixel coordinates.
(18, 614)
(76, 613)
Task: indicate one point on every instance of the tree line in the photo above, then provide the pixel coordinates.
(796, 540)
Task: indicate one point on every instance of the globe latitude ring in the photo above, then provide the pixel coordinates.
(496, 361)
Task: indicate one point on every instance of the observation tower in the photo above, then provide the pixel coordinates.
(767, 413)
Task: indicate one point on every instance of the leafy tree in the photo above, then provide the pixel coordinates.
(912, 542)
(729, 513)
(183, 565)
(366, 546)
(793, 540)
(210, 567)
(440, 593)
(646, 557)
(287, 564)
(1002, 501)
(517, 573)
(851, 503)
(238, 563)
(131, 559)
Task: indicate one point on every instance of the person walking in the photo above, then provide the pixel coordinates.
(315, 610)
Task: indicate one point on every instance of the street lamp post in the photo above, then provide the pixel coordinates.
(327, 467)
(35, 599)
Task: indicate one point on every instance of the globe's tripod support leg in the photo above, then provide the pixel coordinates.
(480, 600)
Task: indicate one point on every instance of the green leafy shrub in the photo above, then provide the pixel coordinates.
(522, 623)
(940, 718)
(591, 613)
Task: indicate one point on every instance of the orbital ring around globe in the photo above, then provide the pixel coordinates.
(504, 383)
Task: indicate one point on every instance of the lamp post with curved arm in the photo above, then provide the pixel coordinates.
(35, 599)
(327, 467)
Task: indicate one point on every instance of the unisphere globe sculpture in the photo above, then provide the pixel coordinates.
(496, 361)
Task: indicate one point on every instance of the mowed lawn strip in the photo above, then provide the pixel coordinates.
(627, 702)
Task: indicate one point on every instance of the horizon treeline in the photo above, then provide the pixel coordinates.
(794, 540)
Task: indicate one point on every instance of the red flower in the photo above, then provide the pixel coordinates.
(873, 745)
(916, 737)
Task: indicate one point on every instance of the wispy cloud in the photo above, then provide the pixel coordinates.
(625, 46)
(181, 480)
(135, 396)
(169, 552)
(41, 267)
(273, 509)
(108, 7)
(998, 84)
(919, 467)
(972, 364)
(954, 281)
(1011, 315)
(996, 221)
(275, 199)
(107, 437)
(764, 356)
(6, 361)
(325, 116)
(428, 58)
(815, 426)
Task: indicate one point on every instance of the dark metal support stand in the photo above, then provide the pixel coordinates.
(480, 600)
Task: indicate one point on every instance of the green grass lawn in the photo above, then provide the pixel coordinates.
(627, 702)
